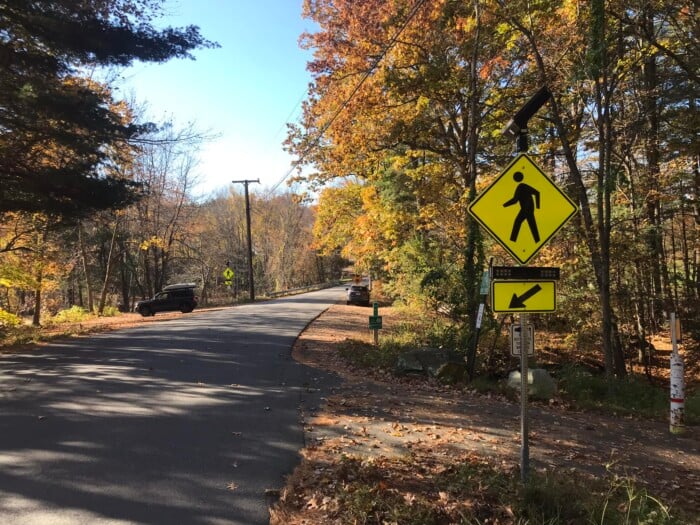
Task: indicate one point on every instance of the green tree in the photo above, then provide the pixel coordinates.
(55, 129)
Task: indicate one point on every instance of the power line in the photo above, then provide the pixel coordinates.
(412, 13)
(291, 113)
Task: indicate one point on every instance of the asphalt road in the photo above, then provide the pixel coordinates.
(188, 421)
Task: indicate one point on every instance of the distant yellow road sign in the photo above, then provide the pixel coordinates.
(523, 296)
(228, 276)
(522, 209)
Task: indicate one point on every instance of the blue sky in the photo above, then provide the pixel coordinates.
(246, 90)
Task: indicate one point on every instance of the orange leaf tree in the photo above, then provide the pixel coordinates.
(400, 103)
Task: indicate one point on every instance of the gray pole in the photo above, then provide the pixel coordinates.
(517, 127)
(250, 243)
(524, 423)
(522, 147)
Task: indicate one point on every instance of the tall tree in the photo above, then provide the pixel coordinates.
(55, 128)
(402, 86)
(545, 29)
(159, 221)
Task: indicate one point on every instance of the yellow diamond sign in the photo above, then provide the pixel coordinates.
(522, 209)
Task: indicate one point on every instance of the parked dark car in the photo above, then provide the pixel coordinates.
(358, 294)
(173, 297)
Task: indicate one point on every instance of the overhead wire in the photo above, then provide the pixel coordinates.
(414, 10)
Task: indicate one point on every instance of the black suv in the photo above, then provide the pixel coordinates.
(173, 297)
(358, 294)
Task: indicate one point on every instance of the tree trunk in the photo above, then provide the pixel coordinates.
(474, 251)
(108, 270)
(84, 258)
(614, 357)
(653, 206)
(125, 279)
(593, 232)
(36, 318)
(39, 276)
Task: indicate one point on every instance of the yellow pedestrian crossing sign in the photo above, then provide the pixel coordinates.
(523, 296)
(228, 276)
(523, 208)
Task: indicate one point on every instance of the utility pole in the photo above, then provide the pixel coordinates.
(250, 243)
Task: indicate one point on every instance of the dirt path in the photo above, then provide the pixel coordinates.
(381, 416)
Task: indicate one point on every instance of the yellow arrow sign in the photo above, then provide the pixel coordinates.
(522, 209)
(523, 296)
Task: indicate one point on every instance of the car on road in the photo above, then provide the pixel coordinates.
(173, 297)
(358, 294)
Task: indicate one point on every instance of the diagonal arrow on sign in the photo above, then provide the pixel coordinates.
(523, 296)
(518, 301)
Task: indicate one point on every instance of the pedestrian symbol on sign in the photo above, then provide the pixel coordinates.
(524, 195)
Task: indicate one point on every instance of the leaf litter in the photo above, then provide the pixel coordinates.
(401, 434)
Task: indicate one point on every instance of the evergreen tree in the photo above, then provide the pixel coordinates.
(57, 131)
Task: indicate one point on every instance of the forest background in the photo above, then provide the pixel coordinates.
(400, 131)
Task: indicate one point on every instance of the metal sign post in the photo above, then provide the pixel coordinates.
(484, 291)
(375, 323)
(524, 422)
(535, 210)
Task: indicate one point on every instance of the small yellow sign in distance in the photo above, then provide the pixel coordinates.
(522, 209)
(523, 296)
(228, 274)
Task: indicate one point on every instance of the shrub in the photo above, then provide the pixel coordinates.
(110, 311)
(692, 408)
(74, 314)
(631, 395)
(7, 319)
(365, 355)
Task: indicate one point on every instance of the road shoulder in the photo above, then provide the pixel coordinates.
(380, 418)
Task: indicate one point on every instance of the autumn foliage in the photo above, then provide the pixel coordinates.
(403, 126)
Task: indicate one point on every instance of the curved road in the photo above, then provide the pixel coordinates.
(187, 421)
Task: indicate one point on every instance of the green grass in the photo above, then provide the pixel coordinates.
(110, 311)
(405, 335)
(366, 355)
(633, 395)
(19, 335)
(692, 408)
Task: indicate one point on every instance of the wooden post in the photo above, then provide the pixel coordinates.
(251, 282)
